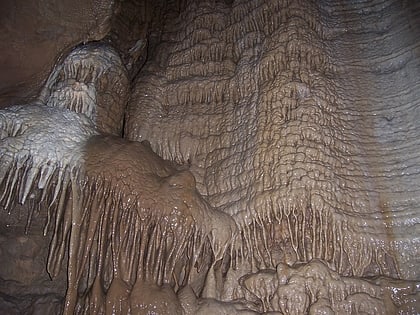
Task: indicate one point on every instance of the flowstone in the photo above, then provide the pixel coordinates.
(262, 161)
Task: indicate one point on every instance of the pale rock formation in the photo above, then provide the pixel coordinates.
(245, 157)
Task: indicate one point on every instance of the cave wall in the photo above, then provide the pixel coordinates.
(287, 111)
(273, 143)
(35, 33)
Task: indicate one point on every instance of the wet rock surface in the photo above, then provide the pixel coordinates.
(245, 157)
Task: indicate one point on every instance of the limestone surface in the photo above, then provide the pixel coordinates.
(213, 157)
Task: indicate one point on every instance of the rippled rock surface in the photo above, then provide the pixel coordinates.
(222, 157)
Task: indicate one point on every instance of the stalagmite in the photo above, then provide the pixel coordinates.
(314, 287)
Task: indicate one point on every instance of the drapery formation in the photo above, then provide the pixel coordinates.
(284, 109)
(279, 163)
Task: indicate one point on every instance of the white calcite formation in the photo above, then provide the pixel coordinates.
(91, 80)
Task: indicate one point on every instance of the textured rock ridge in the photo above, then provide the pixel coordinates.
(257, 97)
(314, 288)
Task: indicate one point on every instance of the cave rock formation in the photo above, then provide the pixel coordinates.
(217, 157)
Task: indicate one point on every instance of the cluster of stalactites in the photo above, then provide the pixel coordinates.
(112, 245)
(108, 234)
(299, 234)
(40, 149)
(111, 242)
(121, 244)
(41, 143)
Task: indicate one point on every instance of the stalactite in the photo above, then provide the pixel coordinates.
(125, 215)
